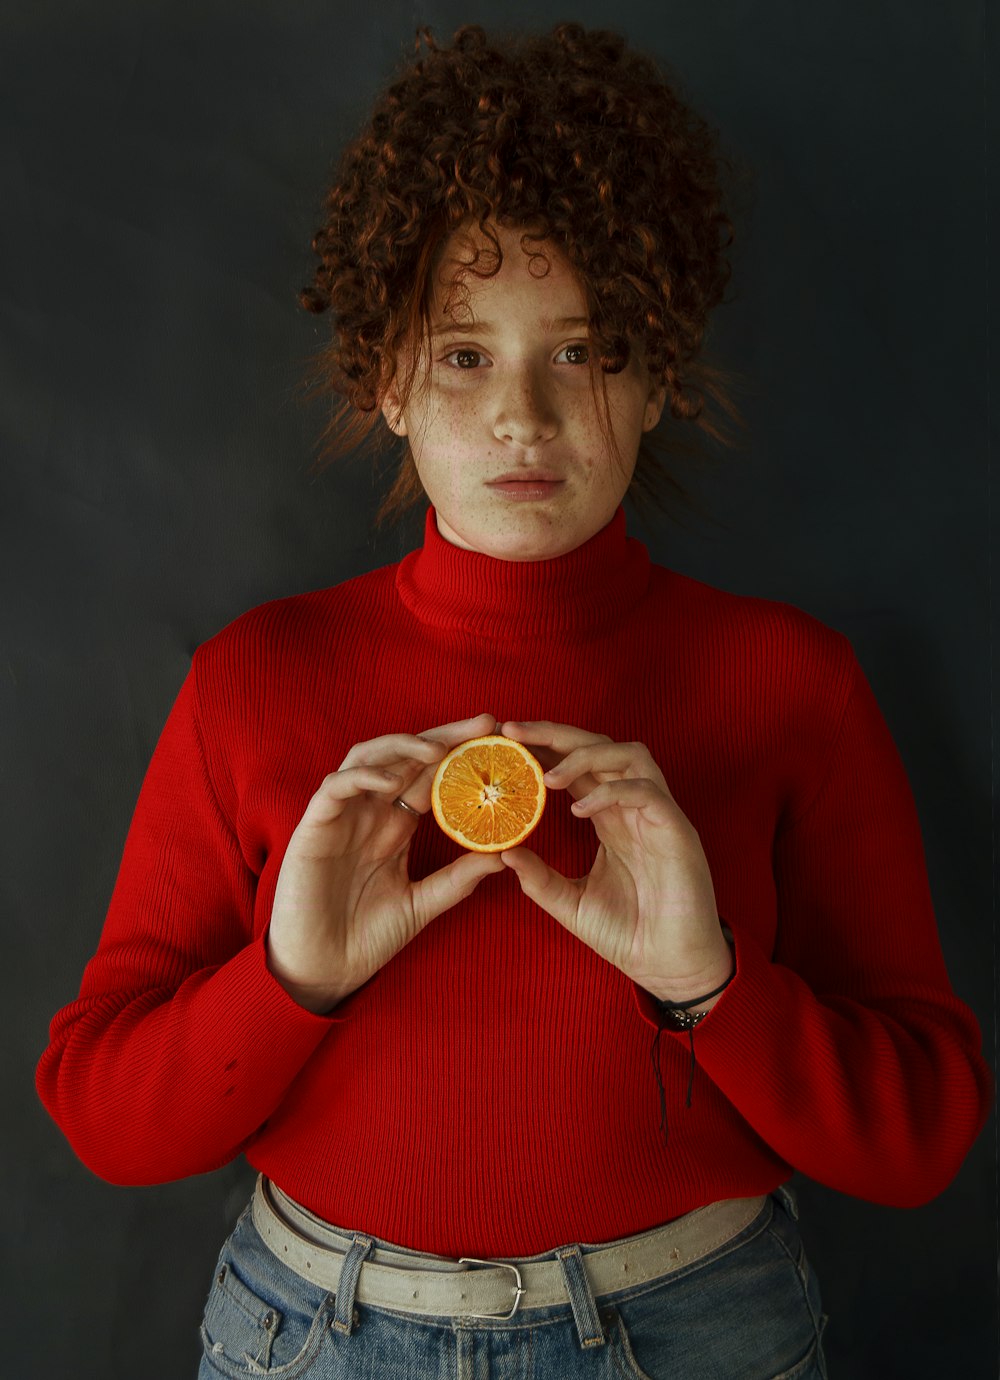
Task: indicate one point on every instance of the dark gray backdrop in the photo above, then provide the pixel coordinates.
(162, 168)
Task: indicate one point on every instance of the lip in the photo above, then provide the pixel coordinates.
(526, 488)
(532, 477)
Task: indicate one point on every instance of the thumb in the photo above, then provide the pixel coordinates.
(444, 888)
(546, 887)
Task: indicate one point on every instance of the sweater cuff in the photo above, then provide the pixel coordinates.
(261, 1045)
(650, 1010)
(269, 991)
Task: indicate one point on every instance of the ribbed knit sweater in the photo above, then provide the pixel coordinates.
(490, 1090)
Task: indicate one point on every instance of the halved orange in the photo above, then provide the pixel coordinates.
(488, 793)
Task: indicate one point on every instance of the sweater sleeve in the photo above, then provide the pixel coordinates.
(847, 1050)
(181, 1043)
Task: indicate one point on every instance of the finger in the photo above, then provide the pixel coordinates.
(400, 748)
(628, 759)
(559, 738)
(549, 742)
(329, 801)
(416, 756)
(547, 888)
(418, 787)
(395, 749)
(631, 794)
(442, 889)
(462, 729)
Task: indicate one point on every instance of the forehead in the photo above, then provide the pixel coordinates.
(538, 276)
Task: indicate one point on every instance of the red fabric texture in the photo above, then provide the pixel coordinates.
(490, 1091)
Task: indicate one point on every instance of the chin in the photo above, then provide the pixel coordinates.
(521, 535)
(523, 549)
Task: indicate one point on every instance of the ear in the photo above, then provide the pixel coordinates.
(654, 405)
(392, 412)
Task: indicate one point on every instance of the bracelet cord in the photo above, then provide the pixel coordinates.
(664, 1007)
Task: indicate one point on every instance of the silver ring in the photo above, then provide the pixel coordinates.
(408, 808)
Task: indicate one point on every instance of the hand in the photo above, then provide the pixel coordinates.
(344, 903)
(648, 904)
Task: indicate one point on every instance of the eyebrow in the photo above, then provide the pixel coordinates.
(487, 327)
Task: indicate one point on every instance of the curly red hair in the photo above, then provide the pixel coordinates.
(569, 135)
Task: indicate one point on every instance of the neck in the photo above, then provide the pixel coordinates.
(581, 592)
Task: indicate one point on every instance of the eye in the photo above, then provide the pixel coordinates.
(466, 359)
(577, 354)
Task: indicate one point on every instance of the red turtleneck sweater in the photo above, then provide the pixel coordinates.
(490, 1091)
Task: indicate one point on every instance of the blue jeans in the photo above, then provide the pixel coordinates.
(749, 1310)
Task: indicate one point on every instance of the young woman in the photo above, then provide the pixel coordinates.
(487, 1144)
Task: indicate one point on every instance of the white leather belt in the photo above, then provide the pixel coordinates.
(412, 1282)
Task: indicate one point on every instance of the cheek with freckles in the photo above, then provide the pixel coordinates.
(457, 452)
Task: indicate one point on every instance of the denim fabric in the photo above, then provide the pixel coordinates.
(750, 1310)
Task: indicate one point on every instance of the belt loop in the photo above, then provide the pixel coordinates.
(787, 1195)
(581, 1296)
(343, 1318)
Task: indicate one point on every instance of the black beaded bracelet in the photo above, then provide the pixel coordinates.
(677, 1015)
(681, 1019)
(677, 1012)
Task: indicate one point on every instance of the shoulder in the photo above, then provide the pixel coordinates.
(776, 643)
(287, 636)
(293, 618)
(701, 611)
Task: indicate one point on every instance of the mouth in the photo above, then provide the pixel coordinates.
(519, 487)
(524, 476)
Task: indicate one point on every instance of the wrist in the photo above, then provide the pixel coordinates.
(684, 1017)
(318, 998)
(697, 995)
(318, 1003)
(705, 985)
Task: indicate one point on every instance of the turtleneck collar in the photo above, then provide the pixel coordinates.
(581, 592)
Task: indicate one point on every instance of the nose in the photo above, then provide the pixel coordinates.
(525, 412)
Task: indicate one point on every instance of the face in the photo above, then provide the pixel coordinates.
(502, 421)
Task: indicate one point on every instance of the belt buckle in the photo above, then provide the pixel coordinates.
(502, 1265)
